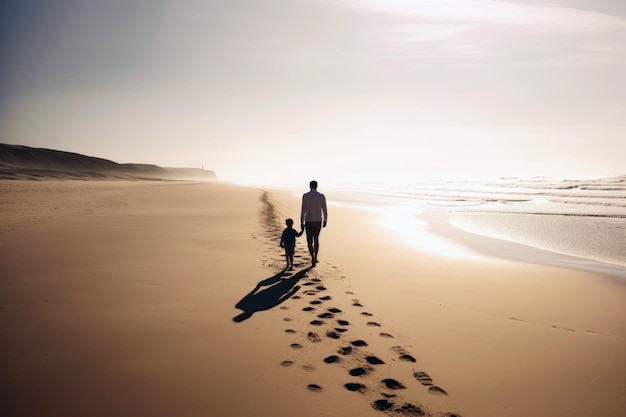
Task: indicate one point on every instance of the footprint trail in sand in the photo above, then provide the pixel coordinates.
(330, 336)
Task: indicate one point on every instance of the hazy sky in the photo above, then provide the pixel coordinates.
(289, 90)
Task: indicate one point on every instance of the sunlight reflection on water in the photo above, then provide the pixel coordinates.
(412, 231)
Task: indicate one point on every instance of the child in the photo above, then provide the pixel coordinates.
(288, 241)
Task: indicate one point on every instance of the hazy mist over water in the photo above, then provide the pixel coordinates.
(579, 218)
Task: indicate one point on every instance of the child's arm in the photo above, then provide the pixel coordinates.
(300, 233)
(282, 240)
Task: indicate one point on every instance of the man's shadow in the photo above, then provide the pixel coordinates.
(278, 290)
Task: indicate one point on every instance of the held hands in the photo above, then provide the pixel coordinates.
(324, 224)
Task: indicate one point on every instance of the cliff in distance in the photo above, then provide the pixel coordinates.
(23, 162)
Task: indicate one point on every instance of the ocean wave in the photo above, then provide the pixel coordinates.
(549, 213)
(592, 197)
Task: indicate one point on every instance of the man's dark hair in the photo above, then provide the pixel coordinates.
(313, 185)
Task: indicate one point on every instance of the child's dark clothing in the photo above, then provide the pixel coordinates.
(288, 240)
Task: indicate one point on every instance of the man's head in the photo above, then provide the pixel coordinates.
(313, 185)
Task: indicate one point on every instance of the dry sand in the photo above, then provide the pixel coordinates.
(119, 299)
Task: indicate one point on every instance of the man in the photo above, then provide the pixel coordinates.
(313, 217)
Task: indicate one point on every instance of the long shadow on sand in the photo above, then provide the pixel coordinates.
(278, 290)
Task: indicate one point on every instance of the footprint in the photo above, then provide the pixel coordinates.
(392, 384)
(314, 387)
(345, 350)
(343, 322)
(365, 313)
(308, 309)
(358, 343)
(404, 355)
(373, 324)
(284, 308)
(567, 329)
(436, 391)
(382, 405)
(326, 316)
(296, 346)
(328, 297)
(423, 377)
(317, 322)
(313, 337)
(286, 363)
(353, 386)
(340, 330)
(332, 335)
(414, 410)
(287, 319)
(290, 331)
(373, 360)
(308, 368)
(349, 292)
(387, 335)
(332, 359)
(296, 297)
(334, 310)
(315, 302)
(308, 283)
(597, 332)
(321, 288)
(357, 371)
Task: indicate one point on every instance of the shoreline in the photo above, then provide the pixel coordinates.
(470, 244)
(512, 250)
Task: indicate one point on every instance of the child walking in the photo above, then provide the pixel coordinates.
(288, 241)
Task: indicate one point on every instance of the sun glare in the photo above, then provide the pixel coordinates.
(413, 232)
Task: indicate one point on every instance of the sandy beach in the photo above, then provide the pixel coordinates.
(164, 298)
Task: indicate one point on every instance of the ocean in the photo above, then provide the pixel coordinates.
(576, 223)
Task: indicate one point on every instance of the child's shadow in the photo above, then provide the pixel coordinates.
(278, 290)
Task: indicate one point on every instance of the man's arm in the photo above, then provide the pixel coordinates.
(324, 210)
(302, 213)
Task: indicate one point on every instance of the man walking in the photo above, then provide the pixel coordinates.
(313, 217)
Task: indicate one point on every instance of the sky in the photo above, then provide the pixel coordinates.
(284, 91)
